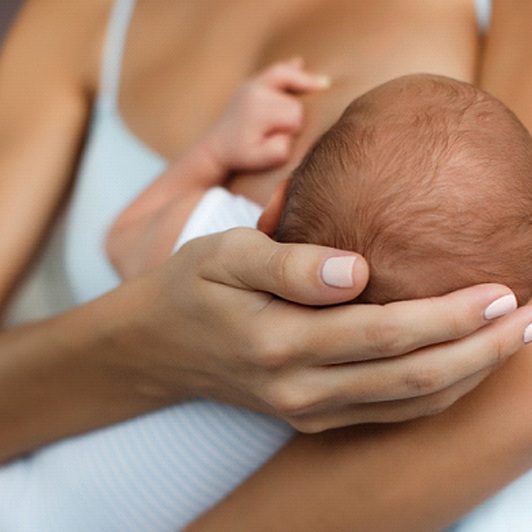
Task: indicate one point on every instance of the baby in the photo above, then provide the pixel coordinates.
(427, 177)
(256, 132)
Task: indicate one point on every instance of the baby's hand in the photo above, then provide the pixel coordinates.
(263, 116)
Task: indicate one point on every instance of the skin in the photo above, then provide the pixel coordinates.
(369, 477)
(100, 372)
(355, 470)
(506, 69)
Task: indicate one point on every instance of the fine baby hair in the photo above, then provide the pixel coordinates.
(431, 180)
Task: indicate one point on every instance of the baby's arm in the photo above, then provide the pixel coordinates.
(255, 133)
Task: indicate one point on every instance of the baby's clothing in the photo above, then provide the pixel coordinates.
(218, 210)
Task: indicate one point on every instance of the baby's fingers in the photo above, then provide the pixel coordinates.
(290, 76)
(273, 150)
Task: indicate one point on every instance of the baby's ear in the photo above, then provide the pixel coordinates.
(272, 213)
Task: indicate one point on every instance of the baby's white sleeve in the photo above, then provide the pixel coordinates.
(218, 210)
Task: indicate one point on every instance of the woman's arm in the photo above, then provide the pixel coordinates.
(416, 476)
(44, 101)
(201, 327)
(506, 72)
(48, 69)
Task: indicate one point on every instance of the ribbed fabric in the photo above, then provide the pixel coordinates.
(153, 473)
(218, 210)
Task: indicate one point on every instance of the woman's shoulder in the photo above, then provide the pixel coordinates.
(61, 35)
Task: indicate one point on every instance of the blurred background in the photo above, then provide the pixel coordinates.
(8, 8)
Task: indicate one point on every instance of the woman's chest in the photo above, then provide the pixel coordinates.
(182, 63)
(183, 59)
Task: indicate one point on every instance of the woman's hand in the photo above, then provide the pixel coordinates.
(218, 333)
(207, 325)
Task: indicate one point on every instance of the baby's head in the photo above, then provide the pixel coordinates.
(431, 180)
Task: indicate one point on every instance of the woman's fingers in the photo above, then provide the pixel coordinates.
(387, 411)
(422, 372)
(396, 388)
(363, 332)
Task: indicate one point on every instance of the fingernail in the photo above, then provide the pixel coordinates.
(324, 81)
(527, 336)
(338, 271)
(500, 307)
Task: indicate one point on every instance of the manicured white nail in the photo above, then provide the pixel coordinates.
(500, 307)
(338, 271)
(527, 336)
(324, 81)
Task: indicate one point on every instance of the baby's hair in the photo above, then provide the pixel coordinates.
(431, 180)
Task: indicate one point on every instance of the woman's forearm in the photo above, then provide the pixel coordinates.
(421, 475)
(73, 373)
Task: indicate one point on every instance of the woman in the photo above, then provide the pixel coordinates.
(119, 358)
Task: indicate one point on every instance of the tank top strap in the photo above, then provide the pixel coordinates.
(113, 51)
(483, 9)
